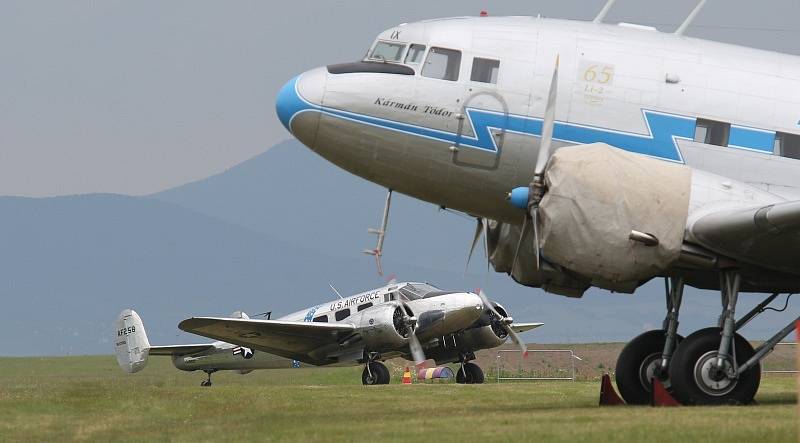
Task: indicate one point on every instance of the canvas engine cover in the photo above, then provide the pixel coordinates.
(596, 194)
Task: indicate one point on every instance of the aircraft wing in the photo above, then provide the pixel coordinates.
(290, 339)
(522, 327)
(767, 236)
(179, 349)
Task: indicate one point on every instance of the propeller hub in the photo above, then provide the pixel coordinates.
(519, 197)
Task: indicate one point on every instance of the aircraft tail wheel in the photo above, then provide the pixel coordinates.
(695, 380)
(638, 363)
(378, 374)
(469, 374)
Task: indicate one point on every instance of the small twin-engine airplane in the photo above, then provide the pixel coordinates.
(415, 321)
(677, 158)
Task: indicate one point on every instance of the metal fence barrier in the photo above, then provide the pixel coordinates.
(572, 358)
(783, 371)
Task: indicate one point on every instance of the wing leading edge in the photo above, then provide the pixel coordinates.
(767, 236)
(290, 339)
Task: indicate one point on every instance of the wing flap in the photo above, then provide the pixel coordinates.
(289, 339)
(767, 236)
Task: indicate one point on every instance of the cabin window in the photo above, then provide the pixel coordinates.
(321, 319)
(787, 145)
(443, 64)
(712, 132)
(388, 51)
(415, 53)
(389, 297)
(343, 314)
(364, 306)
(485, 70)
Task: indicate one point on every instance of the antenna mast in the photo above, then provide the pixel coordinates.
(604, 12)
(682, 28)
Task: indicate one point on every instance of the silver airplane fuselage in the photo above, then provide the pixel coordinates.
(421, 116)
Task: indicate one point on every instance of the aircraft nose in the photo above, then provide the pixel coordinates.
(303, 93)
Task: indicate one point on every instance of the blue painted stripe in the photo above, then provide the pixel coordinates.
(751, 138)
(660, 140)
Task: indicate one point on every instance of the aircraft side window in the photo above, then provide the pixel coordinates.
(321, 319)
(443, 64)
(343, 314)
(787, 145)
(712, 132)
(415, 53)
(364, 306)
(485, 70)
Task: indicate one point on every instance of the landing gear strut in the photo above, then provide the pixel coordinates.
(648, 355)
(706, 367)
(207, 382)
(375, 373)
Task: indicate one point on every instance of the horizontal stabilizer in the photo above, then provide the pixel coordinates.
(179, 349)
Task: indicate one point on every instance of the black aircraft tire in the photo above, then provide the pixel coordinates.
(632, 366)
(476, 373)
(471, 374)
(380, 374)
(691, 383)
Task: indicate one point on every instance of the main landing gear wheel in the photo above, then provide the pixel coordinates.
(638, 363)
(207, 382)
(469, 374)
(696, 380)
(377, 374)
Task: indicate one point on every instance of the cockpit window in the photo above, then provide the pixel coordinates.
(415, 52)
(443, 64)
(416, 291)
(387, 51)
(485, 70)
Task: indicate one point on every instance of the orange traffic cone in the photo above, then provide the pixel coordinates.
(407, 376)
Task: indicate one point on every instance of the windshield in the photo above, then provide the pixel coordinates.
(416, 291)
(387, 51)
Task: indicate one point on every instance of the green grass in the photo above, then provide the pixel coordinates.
(89, 398)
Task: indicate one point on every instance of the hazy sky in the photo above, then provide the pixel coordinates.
(137, 96)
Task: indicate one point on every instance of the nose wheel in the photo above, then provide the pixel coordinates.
(470, 374)
(375, 373)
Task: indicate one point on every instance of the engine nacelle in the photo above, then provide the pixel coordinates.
(382, 327)
(483, 337)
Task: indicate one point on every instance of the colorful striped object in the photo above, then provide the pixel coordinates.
(432, 373)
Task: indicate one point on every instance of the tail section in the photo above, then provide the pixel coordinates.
(131, 342)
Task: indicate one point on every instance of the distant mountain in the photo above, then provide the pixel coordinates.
(291, 193)
(269, 234)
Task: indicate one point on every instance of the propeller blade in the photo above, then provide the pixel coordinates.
(416, 348)
(478, 231)
(485, 224)
(548, 123)
(413, 342)
(519, 242)
(535, 223)
(507, 326)
(522, 346)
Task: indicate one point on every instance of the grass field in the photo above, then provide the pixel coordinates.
(90, 399)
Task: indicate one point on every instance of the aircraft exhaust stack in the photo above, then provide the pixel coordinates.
(131, 342)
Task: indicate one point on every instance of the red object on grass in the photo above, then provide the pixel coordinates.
(608, 396)
(660, 396)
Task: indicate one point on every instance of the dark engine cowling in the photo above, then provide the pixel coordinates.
(382, 327)
(486, 334)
